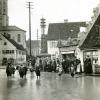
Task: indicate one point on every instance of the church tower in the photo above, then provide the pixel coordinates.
(4, 13)
(43, 36)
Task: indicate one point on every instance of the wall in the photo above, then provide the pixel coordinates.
(20, 56)
(14, 35)
(52, 47)
(9, 46)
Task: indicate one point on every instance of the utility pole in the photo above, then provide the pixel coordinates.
(37, 34)
(37, 43)
(29, 7)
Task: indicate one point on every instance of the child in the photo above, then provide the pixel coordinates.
(60, 70)
(72, 70)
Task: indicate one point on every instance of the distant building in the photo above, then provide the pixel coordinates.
(13, 39)
(35, 47)
(43, 36)
(58, 32)
(43, 43)
(15, 33)
(9, 49)
(4, 19)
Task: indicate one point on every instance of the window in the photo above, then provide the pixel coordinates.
(12, 51)
(19, 38)
(0, 11)
(19, 52)
(53, 44)
(7, 51)
(0, 38)
(5, 43)
(4, 10)
(23, 53)
(3, 52)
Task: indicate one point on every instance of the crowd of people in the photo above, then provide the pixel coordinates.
(60, 66)
(67, 65)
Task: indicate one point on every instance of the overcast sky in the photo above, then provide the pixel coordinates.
(54, 11)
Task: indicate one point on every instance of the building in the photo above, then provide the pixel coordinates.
(13, 38)
(68, 48)
(62, 32)
(43, 43)
(90, 44)
(35, 47)
(15, 33)
(11, 50)
(4, 19)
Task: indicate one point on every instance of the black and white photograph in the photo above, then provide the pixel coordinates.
(49, 49)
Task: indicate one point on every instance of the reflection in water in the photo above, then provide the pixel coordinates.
(10, 84)
(38, 83)
(32, 75)
(50, 87)
(22, 82)
(94, 82)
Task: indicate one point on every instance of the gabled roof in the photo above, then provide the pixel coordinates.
(64, 30)
(92, 39)
(19, 47)
(10, 28)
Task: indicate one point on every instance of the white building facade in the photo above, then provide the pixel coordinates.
(52, 48)
(11, 50)
(12, 38)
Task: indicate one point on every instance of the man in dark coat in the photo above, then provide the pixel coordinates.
(87, 66)
(64, 65)
(38, 72)
(8, 70)
(54, 65)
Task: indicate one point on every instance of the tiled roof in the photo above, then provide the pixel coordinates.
(10, 28)
(64, 30)
(92, 39)
(19, 47)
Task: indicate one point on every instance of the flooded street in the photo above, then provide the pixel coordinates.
(49, 87)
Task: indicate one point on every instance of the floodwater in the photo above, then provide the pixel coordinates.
(49, 87)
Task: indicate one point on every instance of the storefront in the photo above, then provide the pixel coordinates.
(68, 52)
(94, 56)
(90, 45)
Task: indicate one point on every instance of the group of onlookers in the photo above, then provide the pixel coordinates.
(67, 65)
(71, 66)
